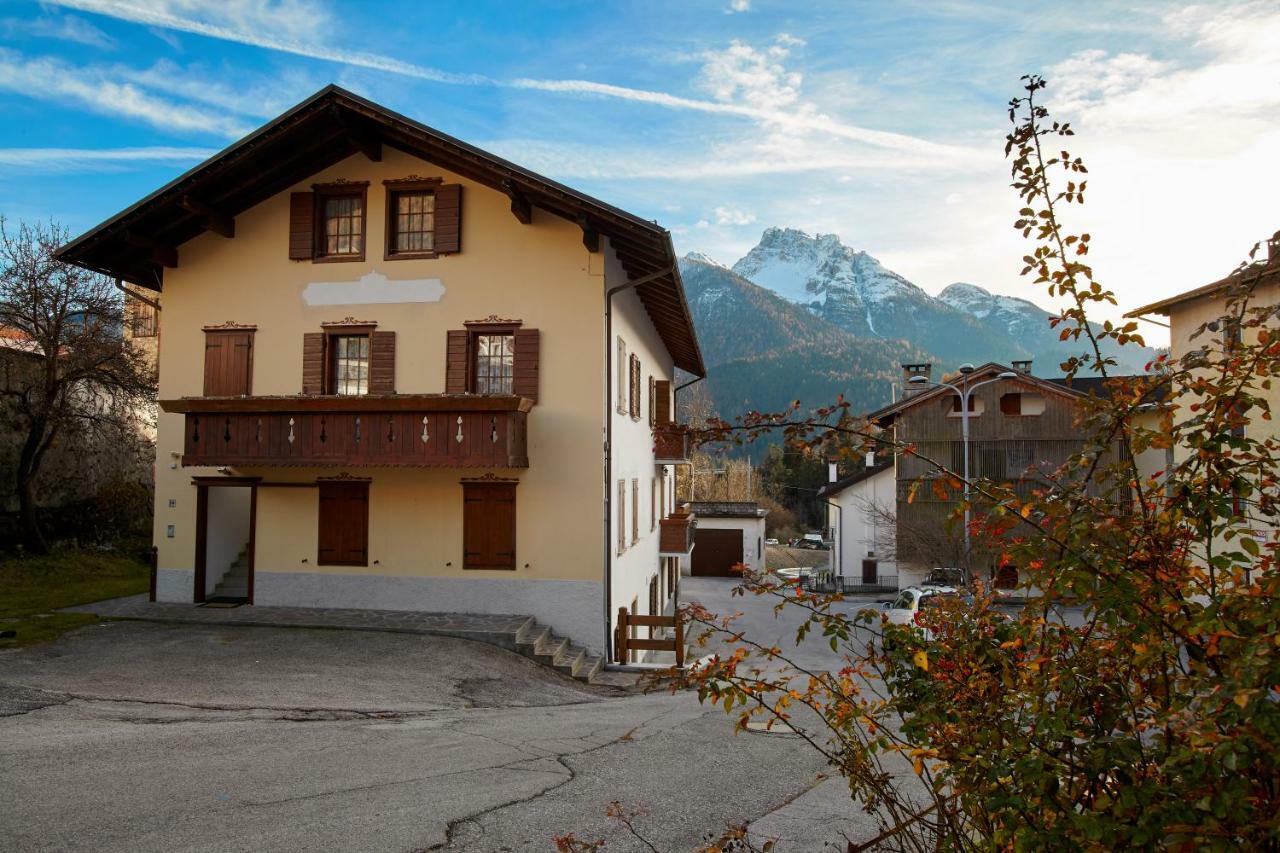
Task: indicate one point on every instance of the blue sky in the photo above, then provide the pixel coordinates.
(881, 122)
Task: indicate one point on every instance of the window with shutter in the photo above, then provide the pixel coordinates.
(634, 395)
(653, 504)
(411, 219)
(662, 401)
(488, 525)
(382, 363)
(343, 524)
(493, 357)
(621, 512)
(340, 221)
(652, 400)
(622, 376)
(228, 362)
(635, 510)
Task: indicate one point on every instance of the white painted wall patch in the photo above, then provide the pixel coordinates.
(372, 289)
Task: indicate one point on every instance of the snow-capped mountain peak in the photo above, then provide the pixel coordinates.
(703, 258)
(832, 279)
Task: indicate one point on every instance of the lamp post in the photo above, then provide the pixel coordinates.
(964, 392)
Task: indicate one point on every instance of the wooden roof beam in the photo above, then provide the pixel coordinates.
(590, 234)
(215, 220)
(357, 132)
(521, 209)
(161, 253)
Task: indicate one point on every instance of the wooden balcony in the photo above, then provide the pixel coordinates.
(671, 445)
(428, 431)
(675, 536)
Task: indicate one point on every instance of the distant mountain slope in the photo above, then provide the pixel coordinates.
(762, 351)
(857, 293)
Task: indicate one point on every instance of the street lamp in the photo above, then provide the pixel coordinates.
(964, 392)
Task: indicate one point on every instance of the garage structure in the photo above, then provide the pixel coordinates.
(729, 533)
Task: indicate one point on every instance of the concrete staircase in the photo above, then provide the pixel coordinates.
(235, 583)
(542, 645)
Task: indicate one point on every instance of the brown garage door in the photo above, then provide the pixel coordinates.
(715, 552)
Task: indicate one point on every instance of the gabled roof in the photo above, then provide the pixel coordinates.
(331, 125)
(1260, 272)
(853, 479)
(887, 413)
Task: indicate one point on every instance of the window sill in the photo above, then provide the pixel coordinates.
(337, 259)
(410, 256)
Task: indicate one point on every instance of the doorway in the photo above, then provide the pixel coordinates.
(226, 514)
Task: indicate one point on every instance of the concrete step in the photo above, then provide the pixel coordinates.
(569, 660)
(542, 645)
(235, 590)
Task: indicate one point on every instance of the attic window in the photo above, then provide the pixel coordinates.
(340, 221)
(976, 406)
(1019, 404)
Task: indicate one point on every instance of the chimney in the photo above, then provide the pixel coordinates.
(910, 370)
(871, 459)
(833, 471)
(1023, 366)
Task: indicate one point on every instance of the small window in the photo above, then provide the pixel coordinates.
(494, 363)
(349, 367)
(952, 408)
(412, 222)
(653, 503)
(342, 225)
(653, 409)
(143, 319)
(622, 376)
(1019, 404)
(635, 510)
(621, 511)
(634, 388)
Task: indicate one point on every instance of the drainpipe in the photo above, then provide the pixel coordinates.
(608, 446)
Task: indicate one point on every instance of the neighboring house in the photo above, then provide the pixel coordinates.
(1189, 311)
(861, 510)
(729, 533)
(389, 360)
(889, 522)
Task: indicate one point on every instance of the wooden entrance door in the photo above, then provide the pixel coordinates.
(869, 572)
(715, 552)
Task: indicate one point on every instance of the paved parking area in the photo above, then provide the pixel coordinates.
(155, 737)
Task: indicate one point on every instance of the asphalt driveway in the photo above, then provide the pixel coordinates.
(149, 737)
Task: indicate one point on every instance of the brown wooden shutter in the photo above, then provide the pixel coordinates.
(489, 525)
(448, 235)
(524, 382)
(662, 401)
(653, 414)
(313, 363)
(455, 370)
(343, 524)
(228, 363)
(302, 226)
(382, 363)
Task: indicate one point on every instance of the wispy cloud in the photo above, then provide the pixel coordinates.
(43, 160)
(61, 27)
(94, 89)
(251, 24)
(256, 24)
(737, 6)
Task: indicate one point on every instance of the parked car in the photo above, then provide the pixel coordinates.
(906, 608)
(771, 541)
(914, 600)
(944, 577)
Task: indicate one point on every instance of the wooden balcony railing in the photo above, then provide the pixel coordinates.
(675, 535)
(671, 444)
(434, 431)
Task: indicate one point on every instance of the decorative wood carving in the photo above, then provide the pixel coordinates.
(493, 320)
(232, 326)
(348, 321)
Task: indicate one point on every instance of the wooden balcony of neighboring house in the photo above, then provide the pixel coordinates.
(675, 536)
(424, 430)
(672, 444)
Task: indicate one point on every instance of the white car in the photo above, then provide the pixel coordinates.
(771, 541)
(905, 609)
